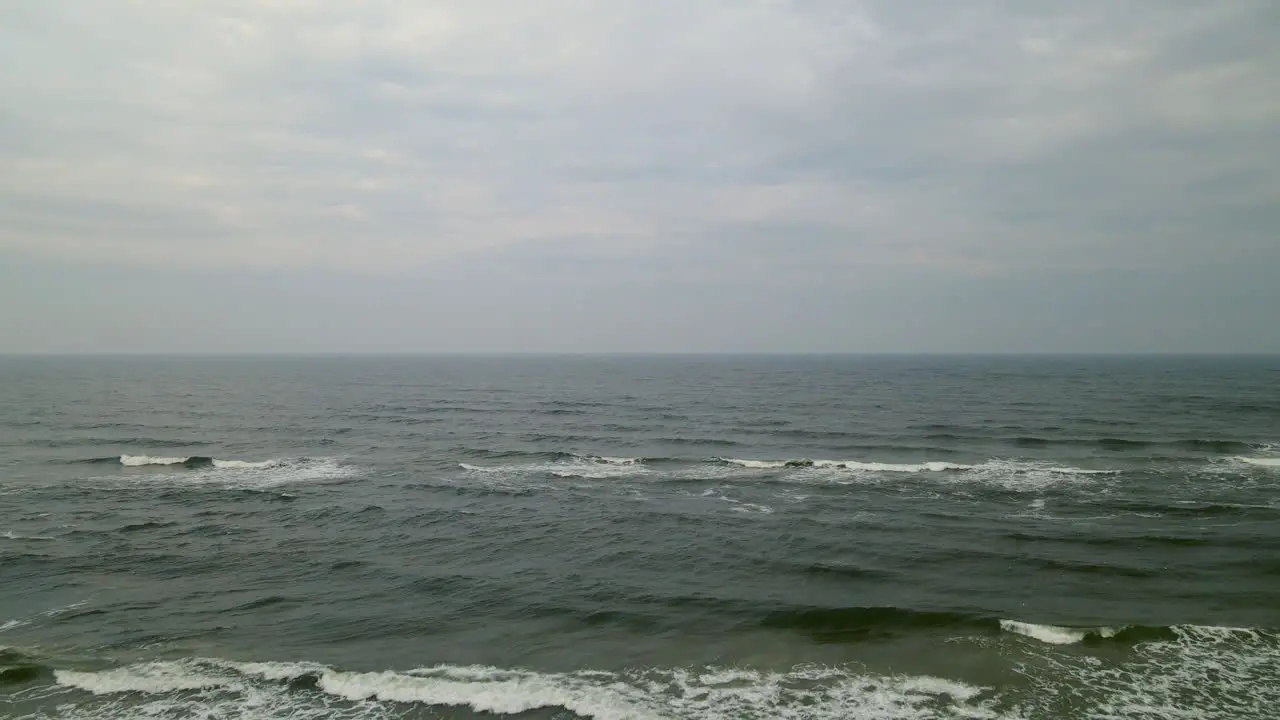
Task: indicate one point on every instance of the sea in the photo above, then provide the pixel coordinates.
(640, 537)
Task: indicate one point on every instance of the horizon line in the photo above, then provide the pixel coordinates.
(631, 353)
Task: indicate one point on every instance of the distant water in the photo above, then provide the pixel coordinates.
(640, 538)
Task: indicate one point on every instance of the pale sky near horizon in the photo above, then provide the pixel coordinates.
(632, 176)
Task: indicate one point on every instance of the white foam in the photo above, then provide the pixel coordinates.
(1209, 673)
(239, 474)
(1260, 461)
(893, 467)
(244, 464)
(713, 693)
(1053, 634)
(855, 465)
(143, 460)
(618, 460)
(936, 466)
(810, 692)
(276, 671)
(11, 624)
(590, 468)
(153, 678)
(487, 690)
(594, 472)
(1203, 673)
(276, 473)
(756, 464)
(1079, 471)
(1028, 476)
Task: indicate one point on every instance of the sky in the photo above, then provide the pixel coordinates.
(639, 176)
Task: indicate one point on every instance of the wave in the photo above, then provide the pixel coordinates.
(1009, 466)
(1187, 508)
(1230, 669)
(568, 466)
(1218, 446)
(1269, 462)
(1011, 475)
(856, 624)
(1053, 634)
(846, 465)
(204, 687)
(868, 623)
(1124, 634)
(144, 460)
(207, 471)
(15, 667)
(192, 462)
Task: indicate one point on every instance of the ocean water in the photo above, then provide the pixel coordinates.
(640, 537)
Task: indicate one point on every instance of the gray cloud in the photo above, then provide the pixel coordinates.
(711, 175)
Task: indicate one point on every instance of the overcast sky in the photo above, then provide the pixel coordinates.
(640, 175)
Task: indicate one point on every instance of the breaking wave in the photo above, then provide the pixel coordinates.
(206, 688)
(200, 470)
(591, 467)
(195, 461)
(847, 465)
(1268, 462)
(1230, 669)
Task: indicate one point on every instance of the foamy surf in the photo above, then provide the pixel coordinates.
(1230, 670)
(1267, 462)
(193, 472)
(1052, 634)
(195, 461)
(703, 693)
(144, 460)
(1205, 673)
(852, 465)
(592, 467)
(936, 466)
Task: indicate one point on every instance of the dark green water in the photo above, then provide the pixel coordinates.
(640, 538)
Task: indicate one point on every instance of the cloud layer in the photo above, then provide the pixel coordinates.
(793, 146)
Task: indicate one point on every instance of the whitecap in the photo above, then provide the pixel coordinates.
(819, 693)
(144, 460)
(892, 467)
(243, 464)
(152, 678)
(1206, 673)
(588, 468)
(617, 460)
(1053, 634)
(1268, 462)
(236, 474)
(756, 464)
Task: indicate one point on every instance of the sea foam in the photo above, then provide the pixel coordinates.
(1268, 462)
(199, 471)
(707, 693)
(144, 460)
(1053, 634)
